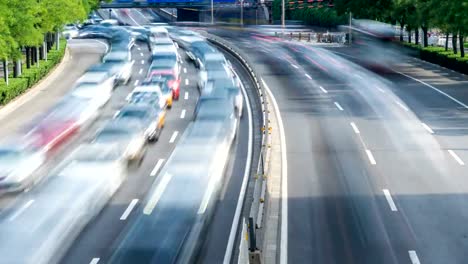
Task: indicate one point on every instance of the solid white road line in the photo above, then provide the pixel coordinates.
(140, 71)
(323, 89)
(136, 82)
(176, 45)
(402, 106)
(245, 180)
(142, 62)
(295, 66)
(381, 90)
(427, 128)
(414, 257)
(173, 137)
(182, 114)
(21, 210)
(371, 157)
(355, 128)
(308, 76)
(157, 194)
(284, 181)
(435, 89)
(95, 261)
(338, 106)
(134, 21)
(186, 96)
(390, 201)
(186, 82)
(103, 43)
(185, 70)
(157, 167)
(455, 156)
(129, 209)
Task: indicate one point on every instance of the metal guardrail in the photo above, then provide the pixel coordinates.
(255, 218)
(313, 37)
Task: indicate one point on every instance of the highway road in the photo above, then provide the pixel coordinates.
(376, 162)
(98, 241)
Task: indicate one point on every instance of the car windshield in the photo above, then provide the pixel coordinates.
(163, 64)
(138, 114)
(108, 135)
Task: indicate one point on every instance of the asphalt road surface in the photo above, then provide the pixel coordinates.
(376, 161)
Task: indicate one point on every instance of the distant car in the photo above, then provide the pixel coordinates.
(159, 83)
(143, 33)
(70, 31)
(18, 165)
(150, 117)
(148, 94)
(109, 22)
(129, 135)
(105, 80)
(120, 64)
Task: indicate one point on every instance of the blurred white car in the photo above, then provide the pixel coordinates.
(130, 136)
(104, 80)
(70, 31)
(18, 165)
(119, 63)
(97, 95)
(220, 73)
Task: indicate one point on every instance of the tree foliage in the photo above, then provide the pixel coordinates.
(24, 22)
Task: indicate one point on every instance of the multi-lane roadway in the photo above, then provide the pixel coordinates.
(376, 161)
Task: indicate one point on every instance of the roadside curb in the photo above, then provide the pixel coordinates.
(38, 87)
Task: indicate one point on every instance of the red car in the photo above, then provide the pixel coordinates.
(172, 80)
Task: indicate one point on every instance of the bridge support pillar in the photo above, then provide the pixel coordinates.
(184, 14)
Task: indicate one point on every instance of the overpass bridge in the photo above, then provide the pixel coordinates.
(187, 10)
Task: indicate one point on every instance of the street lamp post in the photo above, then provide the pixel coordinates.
(283, 14)
(242, 12)
(212, 13)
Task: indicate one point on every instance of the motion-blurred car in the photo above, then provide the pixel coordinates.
(150, 117)
(170, 64)
(197, 49)
(95, 31)
(105, 80)
(18, 165)
(172, 81)
(147, 94)
(129, 135)
(109, 22)
(205, 76)
(211, 60)
(70, 31)
(162, 44)
(160, 84)
(143, 33)
(120, 64)
(95, 94)
(191, 43)
(225, 88)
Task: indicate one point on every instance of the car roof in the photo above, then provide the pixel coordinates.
(93, 77)
(120, 55)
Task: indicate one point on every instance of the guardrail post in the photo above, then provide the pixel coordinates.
(254, 253)
(290, 35)
(309, 36)
(300, 36)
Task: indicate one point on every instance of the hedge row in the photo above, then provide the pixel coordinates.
(438, 55)
(30, 76)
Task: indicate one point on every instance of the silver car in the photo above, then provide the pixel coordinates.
(130, 135)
